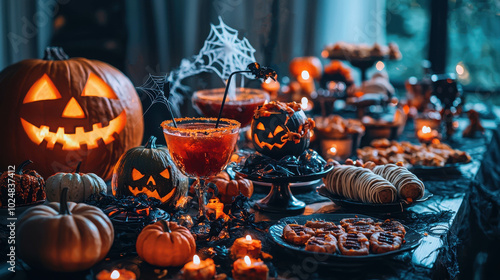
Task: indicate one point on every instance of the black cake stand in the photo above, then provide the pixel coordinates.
(280, 199)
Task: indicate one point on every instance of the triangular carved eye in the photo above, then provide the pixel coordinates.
(43, 89)
(95, 86)
(165, 173)
(278, 130)
(136, 174)
(260, 126)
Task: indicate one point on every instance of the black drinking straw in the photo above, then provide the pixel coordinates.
(257, 71)
(168, 105)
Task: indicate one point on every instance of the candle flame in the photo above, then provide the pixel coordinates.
(247, 260)
(115, 274)
(426, 129)
(303, 103)
(333, 150)
(380, 66)
(305, 75)
(248, 237)
(196, 259)
(268, 80)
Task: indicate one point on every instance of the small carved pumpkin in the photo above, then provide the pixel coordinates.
(30, 186)
(63, 236)
(280, 129)
(229, 188)
(165, 244)
(80, 185)
(60, 111)
(149, 170)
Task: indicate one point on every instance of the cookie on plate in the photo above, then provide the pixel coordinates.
(297, 234)
(322, 244)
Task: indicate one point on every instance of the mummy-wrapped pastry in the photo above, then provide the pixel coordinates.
(408, 185)
(360, 184)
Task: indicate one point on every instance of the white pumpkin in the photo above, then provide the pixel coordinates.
(80, 185)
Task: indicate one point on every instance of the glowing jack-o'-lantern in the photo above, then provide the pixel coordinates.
(61, 111)
(280, 129)
(149, 170)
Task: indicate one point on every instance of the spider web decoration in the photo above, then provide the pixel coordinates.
(154, 90)
(223, 53)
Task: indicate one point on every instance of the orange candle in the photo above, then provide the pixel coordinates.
(249, 269)
(199, 269)
(426, 134)
(271, 86)
(117, 274)
(306, 82)
(246, 246)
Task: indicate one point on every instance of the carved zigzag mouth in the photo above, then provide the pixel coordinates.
(80, 137)
(155, 194)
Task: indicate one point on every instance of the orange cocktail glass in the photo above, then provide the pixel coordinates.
(208, 103)
(199, 149)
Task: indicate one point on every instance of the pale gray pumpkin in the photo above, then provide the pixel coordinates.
(80, 185)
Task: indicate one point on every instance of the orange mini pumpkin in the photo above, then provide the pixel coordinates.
(165, 244)
(229, 188)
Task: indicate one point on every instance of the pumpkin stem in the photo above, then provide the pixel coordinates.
(165, 225)
(55, 53)
(63, 203)
(77, 170)
(151, 144)
(19, 170)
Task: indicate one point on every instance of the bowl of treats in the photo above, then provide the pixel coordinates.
(339, 138)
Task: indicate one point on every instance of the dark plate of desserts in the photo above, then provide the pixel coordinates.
(344, 239)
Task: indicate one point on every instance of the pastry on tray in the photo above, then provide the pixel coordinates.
(382, 242)
(354, 244)
(353, 237)
(297, 234)
(360, 184)
(371, 183)
(394, 227)
(383, 151)
(366, 230)
(322, 244)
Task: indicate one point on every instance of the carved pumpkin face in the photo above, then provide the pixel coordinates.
(280, 133)
(69, 110)
(149, 170)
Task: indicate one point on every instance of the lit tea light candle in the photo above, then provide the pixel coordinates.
(271, 86)
(117, 274)
(426, 134)
(332, 151)
(199, 269)
(305, 104)
(248, 268)
(306, 82)
(246, 246)
(217, 207)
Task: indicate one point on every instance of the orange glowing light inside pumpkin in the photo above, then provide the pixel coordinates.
(73, 141)
(248, 262)
(196, 260)
(95, 86)
(73, 110)
(136, 174)
(115, 274)
(165, 173)
(43, 89)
